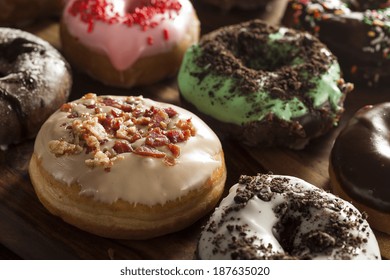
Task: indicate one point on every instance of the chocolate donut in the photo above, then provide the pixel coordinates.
(281, 217)
(264, 85)
(34, 81)
(357, 32)
(360, 164)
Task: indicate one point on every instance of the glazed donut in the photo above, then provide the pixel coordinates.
(357, 32)
(131, 42)
(240, 4)
(264, 85)
(22, 12)
(127, 167)
(360, 164)
(35, 80)
(281, 217)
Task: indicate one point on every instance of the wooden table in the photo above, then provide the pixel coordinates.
(29, 231)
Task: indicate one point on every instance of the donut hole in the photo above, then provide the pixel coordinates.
(267, 56)
(269, 61)
(297, 235)
(131, 6)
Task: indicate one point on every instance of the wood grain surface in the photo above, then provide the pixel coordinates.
(29, 231)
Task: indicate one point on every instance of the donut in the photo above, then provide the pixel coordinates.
(22, 12)
(128, 43)
(359, 164)
(274, 217)
(35, 81)
(357, 32)
(240, 4)
(263, 85)
(127, 167)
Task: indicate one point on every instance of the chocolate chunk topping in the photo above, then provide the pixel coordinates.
(245, 53)
(318, 241)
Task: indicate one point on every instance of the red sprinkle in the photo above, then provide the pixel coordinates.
(91, 11)
(149, 40)
(166, 34)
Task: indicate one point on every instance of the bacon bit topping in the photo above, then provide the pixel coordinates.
(92, 11)
(61, 147)
(171, 113)
(121, 147)
(108, 127)
(67, 107)
(149, 152)
(175, 150)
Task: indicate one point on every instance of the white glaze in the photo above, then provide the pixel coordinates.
(135, 179)
(124, 45)
(259, 219)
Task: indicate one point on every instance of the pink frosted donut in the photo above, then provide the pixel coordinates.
(128, 42)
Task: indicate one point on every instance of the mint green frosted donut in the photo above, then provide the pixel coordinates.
(259, 79)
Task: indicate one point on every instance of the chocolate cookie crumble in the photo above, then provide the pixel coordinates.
(297, 221)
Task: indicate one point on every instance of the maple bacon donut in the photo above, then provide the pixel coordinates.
(264, 85)
(128, 43)
(127, 167)
(281, 217)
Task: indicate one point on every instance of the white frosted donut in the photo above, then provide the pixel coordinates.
(282, 217)
(128, 42)
(127, 167)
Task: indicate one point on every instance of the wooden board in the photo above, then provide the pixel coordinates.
(28, 231)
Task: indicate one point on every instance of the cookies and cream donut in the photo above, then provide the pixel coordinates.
(127, 167)
(356, 31)
(283, 217)
(360, 164)
(128, 42)
(35, 80)
(264, 85)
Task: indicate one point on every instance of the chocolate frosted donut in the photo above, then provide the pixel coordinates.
(264, 85)
(34, 81)
(282, 217)
(360, 164)
(357, 31)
